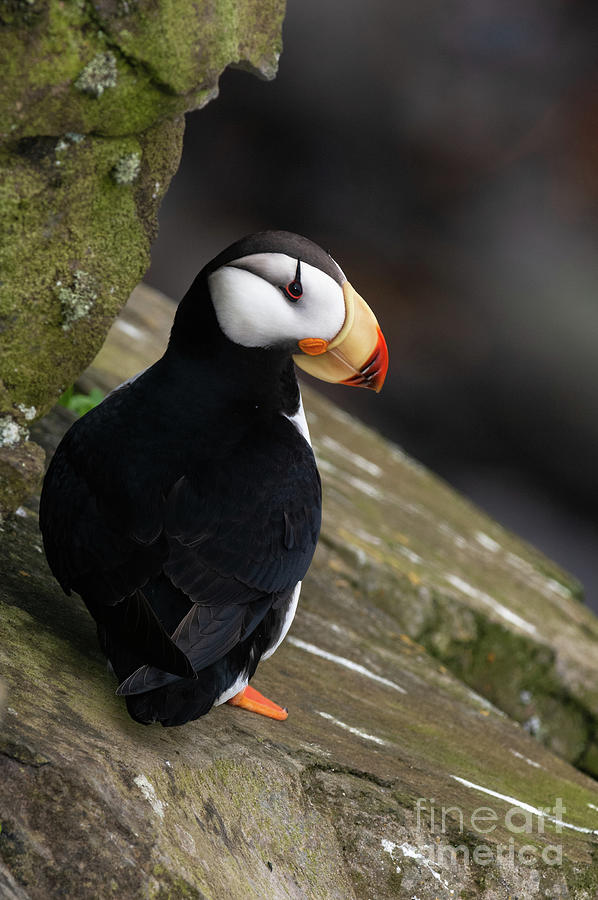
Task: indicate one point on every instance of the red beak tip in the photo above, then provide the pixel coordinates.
(382, 352)
(373, 371)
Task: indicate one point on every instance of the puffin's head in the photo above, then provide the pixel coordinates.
(277, 289)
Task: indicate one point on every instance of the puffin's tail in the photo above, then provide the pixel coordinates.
(174, 704)
(223, 645)
(184, 699)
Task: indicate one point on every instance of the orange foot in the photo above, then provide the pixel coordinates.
(252, 700)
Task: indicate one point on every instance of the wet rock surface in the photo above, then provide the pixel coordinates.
(425, 635)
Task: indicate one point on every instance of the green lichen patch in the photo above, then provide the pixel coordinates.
(127, 169)
(11, 433)
(98, 75)
(77, 299)
(28, 412)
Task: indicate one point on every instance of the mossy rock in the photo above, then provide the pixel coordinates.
(116, 67)
(501, 616)
(391, 778)
(92, 98)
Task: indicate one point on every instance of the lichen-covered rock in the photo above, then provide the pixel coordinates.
(116, 67)
(92, 98)
(391, 778)
(74, 242)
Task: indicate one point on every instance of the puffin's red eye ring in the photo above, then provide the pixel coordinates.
(293, 291)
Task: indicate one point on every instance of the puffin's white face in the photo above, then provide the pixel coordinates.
(255, 307)
(266, 295)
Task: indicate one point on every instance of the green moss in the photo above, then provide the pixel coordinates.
(582, 880)
(117, 69)
(85, 249)
(518, 676)
(516, 673)
(86, 242)
(20, 12)
(165, 38)
(258, 813)
(167, 885)
(73, 242)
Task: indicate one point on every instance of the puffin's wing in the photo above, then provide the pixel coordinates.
(241, 534)
(205, 635)
(96, 549)
(254, 517)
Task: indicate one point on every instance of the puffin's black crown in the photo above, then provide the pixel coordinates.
(294, 245)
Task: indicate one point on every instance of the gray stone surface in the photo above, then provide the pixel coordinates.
(414, 596)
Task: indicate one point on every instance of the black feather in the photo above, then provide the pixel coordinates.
(184, 510)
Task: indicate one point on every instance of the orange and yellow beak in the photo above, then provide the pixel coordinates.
(357, 355)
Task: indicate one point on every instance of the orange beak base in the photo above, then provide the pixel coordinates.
(357, 355)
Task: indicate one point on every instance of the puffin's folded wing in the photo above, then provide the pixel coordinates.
(256, 521)
(134, 622)
(240, 538)
(206, 634)
(92, 549)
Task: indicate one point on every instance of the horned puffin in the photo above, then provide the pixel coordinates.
(185, 509)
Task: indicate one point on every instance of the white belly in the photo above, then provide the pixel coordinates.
(288, 621)
(300, 422)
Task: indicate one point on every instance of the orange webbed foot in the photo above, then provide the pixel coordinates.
(252, 700)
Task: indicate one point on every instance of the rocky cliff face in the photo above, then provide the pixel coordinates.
(440, 678)
(92, 97)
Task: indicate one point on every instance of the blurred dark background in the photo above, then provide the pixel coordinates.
(447, 156)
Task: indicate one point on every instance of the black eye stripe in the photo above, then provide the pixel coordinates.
(294, 289)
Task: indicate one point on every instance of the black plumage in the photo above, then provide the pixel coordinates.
(185, 509)
(187, 501)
